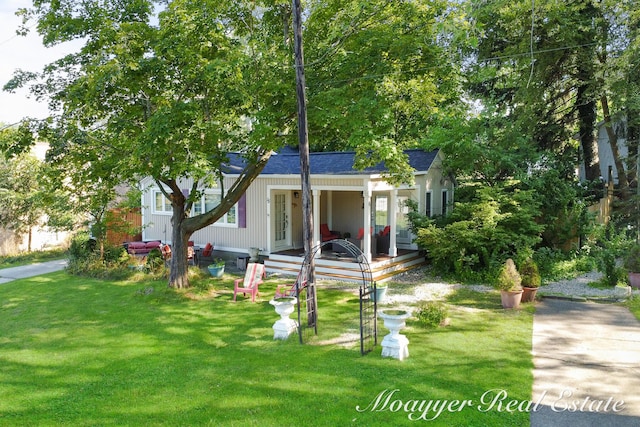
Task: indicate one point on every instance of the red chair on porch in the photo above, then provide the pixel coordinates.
(328, 234)
(249, 284)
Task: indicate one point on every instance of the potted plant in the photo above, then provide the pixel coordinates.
(632, 264)
(530, 280)
(510, 285)
(379, 294)
(216, 269)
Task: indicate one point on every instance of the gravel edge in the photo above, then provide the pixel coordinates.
(416, 285)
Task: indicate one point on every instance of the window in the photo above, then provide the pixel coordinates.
(402, 218)
(209, 201)
(160, 203)
(445, 201)
(381, 221)
(428, 205)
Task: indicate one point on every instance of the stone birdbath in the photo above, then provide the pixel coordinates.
(395, 344)
(285, 326)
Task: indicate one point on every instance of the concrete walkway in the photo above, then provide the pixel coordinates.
(13, 273)
(586, 365)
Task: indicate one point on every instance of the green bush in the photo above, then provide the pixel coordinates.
(609, 246)
(82, 246)
(530, 274)
(431, 313)
(154, 259)
(494, 224)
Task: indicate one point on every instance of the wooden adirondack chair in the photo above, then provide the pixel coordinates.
(249, 284)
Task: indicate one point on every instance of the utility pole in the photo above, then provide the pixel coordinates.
(303, 144)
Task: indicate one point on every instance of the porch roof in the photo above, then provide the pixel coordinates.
(287, 162)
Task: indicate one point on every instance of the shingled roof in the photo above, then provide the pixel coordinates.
(287, 162)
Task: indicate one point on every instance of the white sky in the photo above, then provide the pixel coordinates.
(26, 53)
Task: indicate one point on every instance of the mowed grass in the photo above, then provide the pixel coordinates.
(83, 352)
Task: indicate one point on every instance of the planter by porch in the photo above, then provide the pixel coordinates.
(379, 294)
(216, 270)
(395, 344)
(285, 326)
(511, 299)
(254, 254)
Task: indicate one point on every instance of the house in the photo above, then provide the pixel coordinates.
(349, 201)
(608, 169)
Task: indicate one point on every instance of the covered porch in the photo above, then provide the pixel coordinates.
(372, 216)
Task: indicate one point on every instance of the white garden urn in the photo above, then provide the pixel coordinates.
(254, 254)
(395, 344)
(284, 326)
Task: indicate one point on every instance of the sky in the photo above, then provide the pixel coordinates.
(26, 53)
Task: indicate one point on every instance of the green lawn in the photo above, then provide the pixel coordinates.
(81, 352)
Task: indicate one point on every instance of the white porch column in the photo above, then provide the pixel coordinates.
(316, 219)
(393, 251)
(366, 245)
(329, 209)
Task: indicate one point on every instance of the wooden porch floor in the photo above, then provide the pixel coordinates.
(336, 266)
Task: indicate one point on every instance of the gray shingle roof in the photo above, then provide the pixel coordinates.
(330, 163)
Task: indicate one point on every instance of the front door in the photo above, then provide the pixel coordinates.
(281, 226)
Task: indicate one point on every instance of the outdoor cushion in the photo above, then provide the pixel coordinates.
(137, 245)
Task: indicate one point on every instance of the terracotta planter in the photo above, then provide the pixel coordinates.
(529, 294)
(511, 299)
(634, 280)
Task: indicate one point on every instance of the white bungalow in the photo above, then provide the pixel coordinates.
(345, 201)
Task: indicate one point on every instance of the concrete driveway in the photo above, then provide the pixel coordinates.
(586, 365)
(13, 273)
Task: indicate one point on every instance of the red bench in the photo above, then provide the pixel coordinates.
(142, 248)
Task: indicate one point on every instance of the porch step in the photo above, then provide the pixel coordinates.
(347, 269)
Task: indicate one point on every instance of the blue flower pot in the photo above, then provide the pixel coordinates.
(216, 271)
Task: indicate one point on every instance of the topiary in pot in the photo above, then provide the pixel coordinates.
(530, 279)
(510, 284)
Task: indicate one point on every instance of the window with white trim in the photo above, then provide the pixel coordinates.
(209, 201)
(428, 205)
(161, 204)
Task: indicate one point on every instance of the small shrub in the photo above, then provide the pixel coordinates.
(431, 314)
(509, 279)
(82, 246)
(154, 259)
(529, 273)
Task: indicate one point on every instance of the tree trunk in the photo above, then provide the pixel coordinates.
(588, 142)
(183, 227)
(623, 183)
(178, 275)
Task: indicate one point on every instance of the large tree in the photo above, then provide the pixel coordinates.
(27, 198)
(380, 74)
(165, 93)
(554, 66)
